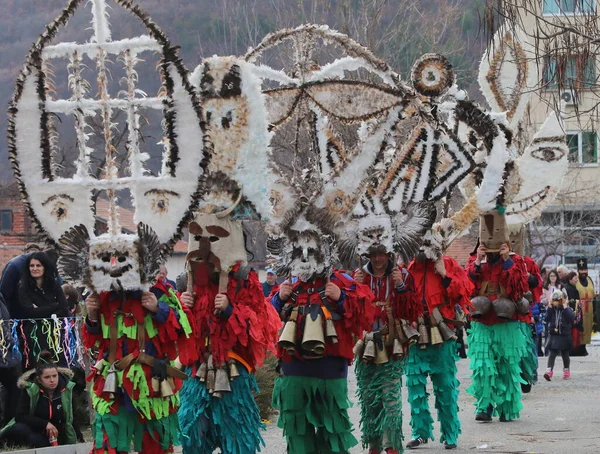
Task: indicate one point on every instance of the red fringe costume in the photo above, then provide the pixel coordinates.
(431, 290)
(135, 413)
(380, 385)
(312, 393)
(496, 345)
(244, 333)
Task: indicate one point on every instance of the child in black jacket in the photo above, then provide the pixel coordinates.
(560, 319)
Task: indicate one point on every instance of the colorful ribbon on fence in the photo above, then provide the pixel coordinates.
(63, 338)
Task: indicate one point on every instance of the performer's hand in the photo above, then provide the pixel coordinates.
(51, 430)
(221, 302)
(397, 277)
(359, 277)
(332, 291)
(187, 298)
(285, 291)
(440, 267)
(92, 304)
(480, 255)
(504, 252)
(149, 302)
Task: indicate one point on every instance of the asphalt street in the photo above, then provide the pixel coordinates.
(561, 416)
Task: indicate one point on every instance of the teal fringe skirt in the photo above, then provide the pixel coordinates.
(231, 422)
(313, 414)
(495, 352)
(439, 363)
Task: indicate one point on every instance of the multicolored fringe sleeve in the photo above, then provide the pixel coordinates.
(130, 407)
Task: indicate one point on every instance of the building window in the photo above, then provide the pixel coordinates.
(570, 72)
(6, 220)
(583, 147)
(569, 6)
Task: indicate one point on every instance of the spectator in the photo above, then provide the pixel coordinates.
(562, 271)
(11, 275)
(10, 361)
(45, 410)
(544, 272)
(74, 300)
(560, 322)
(40, 296)
(551, 284)
(162, 277)
(572, 293)
(270, 282)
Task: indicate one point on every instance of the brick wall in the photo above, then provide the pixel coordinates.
(13, 241)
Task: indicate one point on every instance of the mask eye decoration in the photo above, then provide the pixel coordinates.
(160, 199)
(60, 205)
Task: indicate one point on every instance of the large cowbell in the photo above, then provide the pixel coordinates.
(66, 208)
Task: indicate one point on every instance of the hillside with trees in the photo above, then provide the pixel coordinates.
(396, 30)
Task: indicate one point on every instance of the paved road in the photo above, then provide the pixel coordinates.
(559, 417)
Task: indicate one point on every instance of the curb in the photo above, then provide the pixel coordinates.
(80, 448)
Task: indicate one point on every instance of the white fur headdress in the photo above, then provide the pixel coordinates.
(63, 208)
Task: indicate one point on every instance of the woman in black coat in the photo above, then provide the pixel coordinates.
(40, 296)
(560, 319)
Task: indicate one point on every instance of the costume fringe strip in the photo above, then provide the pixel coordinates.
(116, 432)
(529, 362)
(380, 395)
(439, 363)
(231, 422)
(495, 352)
(314, 414)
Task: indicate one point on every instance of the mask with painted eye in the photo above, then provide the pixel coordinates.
(310, 252)
(216, 240)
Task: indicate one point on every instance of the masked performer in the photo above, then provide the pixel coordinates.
(138, 330)
(381, 356)
(496, 343)
(235, 327)
(323, 309)
(443, 288)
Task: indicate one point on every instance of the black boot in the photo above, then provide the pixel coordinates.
(412, 444)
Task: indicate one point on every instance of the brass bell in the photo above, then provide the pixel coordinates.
(99, 366)
(287, 339)
(410, 332)
(423, 336)
(359, 348)
(481, 306)
(400, 335)
(222, 381)
(165, 389)
(201, 372)
(381, 356)
(155, 385)
(233, 370)
(436, 336)
(504, 307)
(369, 353)
(447, 332)
(398, 351)
(210, 381)
(330, 332)
(437, 315)
(313, 339)
(110, 382)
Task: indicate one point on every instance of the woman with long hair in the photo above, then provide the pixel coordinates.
(40, 296)
(44, 416)
(552, 283)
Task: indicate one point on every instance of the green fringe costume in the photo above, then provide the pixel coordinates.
(380, 395)
(439, 362)
(529, 362)
(314, 404)
(495, 352)
(231, 422)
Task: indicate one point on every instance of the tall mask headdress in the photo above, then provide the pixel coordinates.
(64, 208)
